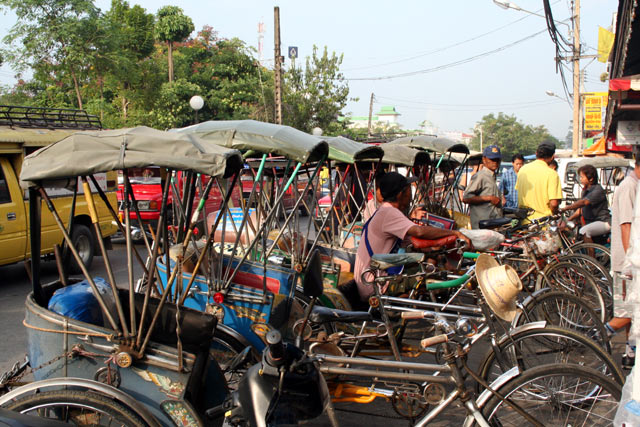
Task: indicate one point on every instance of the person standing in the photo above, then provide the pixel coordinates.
(622, 215)
(508, 183)
(538, 185)
(482, 194)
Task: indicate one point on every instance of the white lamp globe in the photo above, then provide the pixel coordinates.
(196, 102)
(316, 131)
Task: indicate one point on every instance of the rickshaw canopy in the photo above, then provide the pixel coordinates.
(90, 152)
(344, 150)
(432, 143)
(252, 135)
(602, 162)
(403, 155)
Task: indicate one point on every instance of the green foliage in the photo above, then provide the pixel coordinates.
(315, 96)
(172, 108)
(115, 65)
(172, 25)
(509, 134)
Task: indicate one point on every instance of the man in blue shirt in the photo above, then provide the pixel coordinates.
(508, 182)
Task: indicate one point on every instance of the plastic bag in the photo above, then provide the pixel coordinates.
(628, 413)
(483, 240)
(78, 301)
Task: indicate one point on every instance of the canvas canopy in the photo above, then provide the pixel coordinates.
(403, 155)
(252, 135)
(431, 143)
(89, 152)
(602, 162)
(347, 151)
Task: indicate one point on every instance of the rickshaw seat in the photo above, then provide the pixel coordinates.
(384, 261)
(432, 243)
(325, 314)
(493, 223)
(196, 328)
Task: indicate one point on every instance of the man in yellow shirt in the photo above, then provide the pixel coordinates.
(538, 185)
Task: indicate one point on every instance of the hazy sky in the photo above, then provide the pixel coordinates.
(444, 48)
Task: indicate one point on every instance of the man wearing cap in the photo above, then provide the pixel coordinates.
(482, 194)
(389, 226)
(538, 185)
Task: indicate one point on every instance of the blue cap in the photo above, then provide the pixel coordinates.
(492, 152)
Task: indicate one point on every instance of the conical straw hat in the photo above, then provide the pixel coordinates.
(500, 286)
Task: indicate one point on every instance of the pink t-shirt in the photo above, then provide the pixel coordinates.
(388, 225)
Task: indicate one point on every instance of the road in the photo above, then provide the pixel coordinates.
(15, 287)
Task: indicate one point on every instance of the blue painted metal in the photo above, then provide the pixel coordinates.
(245, 302)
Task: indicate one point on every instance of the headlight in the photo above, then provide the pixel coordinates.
(144, 205)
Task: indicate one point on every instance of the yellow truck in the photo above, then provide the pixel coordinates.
(24, 130)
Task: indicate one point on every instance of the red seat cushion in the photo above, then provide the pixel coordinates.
(425, 244)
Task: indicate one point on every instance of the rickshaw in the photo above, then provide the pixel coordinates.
(245, 269)
(114, 355)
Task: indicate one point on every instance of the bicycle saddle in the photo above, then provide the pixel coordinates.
(326, 314)
(384, 261)
(493, 223)
(425, 244)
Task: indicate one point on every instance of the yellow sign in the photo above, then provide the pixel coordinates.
(594, 104)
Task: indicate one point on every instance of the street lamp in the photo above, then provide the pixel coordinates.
(196, 102)
(551, 93)
(510, 5)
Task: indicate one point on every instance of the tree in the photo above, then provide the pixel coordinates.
(315, 96)
(56, 38)
(171, 108)
(509, 134)
(172, 26)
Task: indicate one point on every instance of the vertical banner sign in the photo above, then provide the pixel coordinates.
(595, 104)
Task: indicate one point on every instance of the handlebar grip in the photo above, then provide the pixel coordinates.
(412, 315)
(435, 340)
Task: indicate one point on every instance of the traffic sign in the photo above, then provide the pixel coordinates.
(293, 52)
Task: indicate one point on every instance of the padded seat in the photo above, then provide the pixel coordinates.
(493, 223)
(434, 243)
(384, 261)
(326, 314)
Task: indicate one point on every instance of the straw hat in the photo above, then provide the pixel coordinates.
(500, 286)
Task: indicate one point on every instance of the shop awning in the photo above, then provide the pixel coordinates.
(625, 83)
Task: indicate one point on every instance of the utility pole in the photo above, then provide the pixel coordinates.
(370, 114)
(278, 65)
(577, 126)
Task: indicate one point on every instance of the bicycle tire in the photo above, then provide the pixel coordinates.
(537, 346)
(570, 389)
(598, 272)
(600, 252)
(574, 279)
(70, 406)
(563, 309)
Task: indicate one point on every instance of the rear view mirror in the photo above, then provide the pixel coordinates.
(312, 282)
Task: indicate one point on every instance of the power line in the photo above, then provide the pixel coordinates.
(417, 108)
(451, 64)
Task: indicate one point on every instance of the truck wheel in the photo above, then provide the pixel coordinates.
(84, 243)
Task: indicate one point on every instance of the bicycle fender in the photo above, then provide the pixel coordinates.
(101, 388)
(495, 385)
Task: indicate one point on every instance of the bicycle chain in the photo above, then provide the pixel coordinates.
(7, 380)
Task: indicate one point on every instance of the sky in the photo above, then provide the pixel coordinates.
(449, 62)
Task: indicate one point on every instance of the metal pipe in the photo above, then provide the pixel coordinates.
(402, 376)
(88, 196)
(388, 364)
(73, 250)
(129, 245)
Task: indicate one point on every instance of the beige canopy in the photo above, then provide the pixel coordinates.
(252, 135)
(89, 152)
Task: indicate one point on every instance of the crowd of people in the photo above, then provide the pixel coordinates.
(535, 185)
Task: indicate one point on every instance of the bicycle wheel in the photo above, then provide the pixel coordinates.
(598, 272)
(556, 395)
(559, 308)
(224, 348)
(531, 347)
(76, 408)
(574, 279)
(601, 253)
